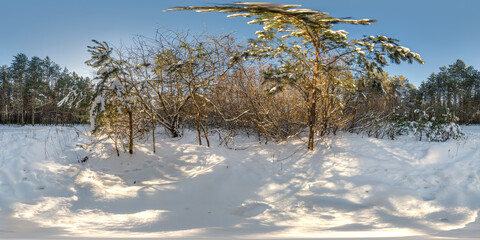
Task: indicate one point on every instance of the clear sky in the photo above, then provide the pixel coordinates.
(440, 31)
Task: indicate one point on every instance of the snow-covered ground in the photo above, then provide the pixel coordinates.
(350, 187)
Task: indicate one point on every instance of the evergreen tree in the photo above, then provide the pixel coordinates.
(114, 93)
(18, 73)
(311, 52)
(34, 89)
(454, 89)
(4, 94)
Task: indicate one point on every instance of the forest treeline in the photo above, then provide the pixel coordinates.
(298, 76)
(32, 91)
(180, 80)
(455, 88)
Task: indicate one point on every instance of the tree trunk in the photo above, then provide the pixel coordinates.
(259, 136)
(33, 113)
(130, 127)
(2, 112)
(153, 134)
(2, 102)
(116, 146)
(205, 134)
(56, 110)
(173, 127)
(173, 130)
(312, 121)
(197, 124)
(22, 119)
(312, 111)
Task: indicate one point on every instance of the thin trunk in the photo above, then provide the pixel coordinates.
(33, 114)
(63, 115)
(153, 134)
(312, 111)
(116, 146)
(2, 112)
(205, 134)
(311, 121)
(172, 127)
(22, 119)
(56, 109)
(259, 136)
(198, 130)
(2, 102)
(173, 130)
(33, 110)
(130, 127)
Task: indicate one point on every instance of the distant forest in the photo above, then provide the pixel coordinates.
(297, 76)
(38, 91)
(453, 92)
(455, 88)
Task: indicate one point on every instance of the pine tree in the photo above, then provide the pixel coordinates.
(51, 74)
(4, 94)
(114, 91)
(455, 88)
(320, 53)
(31, 89)
(33, 86)
(19, 71)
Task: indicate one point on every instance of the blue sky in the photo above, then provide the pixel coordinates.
(441, 31)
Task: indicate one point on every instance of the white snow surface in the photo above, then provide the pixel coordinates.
(351, 186)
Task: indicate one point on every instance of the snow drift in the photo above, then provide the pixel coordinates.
(351, 186)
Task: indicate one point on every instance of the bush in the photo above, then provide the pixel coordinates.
(424, 128)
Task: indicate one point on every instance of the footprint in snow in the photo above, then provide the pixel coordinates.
(5, 186)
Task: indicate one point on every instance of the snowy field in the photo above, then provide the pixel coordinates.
(350, 187)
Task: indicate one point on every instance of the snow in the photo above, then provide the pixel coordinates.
(268, 5)
(118, 88)
(307, 11)
(99, 100)
(338, 33)
(240, 15)
(351, 186)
